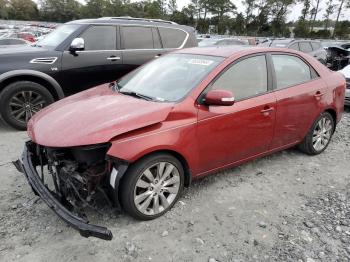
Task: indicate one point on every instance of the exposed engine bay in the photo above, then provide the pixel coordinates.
(78, 174)
(337, 58)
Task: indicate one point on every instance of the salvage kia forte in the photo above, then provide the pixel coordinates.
(139, 141)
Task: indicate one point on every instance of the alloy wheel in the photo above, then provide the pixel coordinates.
(157, 188)
(322, 134)
(23, 105)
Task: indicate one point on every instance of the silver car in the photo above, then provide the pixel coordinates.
(312, 47)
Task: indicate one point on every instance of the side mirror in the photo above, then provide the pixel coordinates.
(219, 98)
(78, 44)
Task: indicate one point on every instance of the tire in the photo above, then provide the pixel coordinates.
(16, 98)
(308, 146)
(130, 192)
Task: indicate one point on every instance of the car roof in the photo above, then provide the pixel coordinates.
(228, 51)
(283, 41)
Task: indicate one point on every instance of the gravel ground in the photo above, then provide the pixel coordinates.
(284, 207)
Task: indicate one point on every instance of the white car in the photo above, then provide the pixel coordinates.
(346, 72)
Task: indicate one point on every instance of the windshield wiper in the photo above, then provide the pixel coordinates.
(138, 95)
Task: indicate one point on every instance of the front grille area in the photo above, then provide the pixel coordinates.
(348, 83)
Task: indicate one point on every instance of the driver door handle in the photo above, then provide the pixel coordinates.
(113, 58)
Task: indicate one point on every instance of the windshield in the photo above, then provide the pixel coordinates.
(57, 36)
(169, 78)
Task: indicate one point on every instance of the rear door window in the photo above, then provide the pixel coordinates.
(316, 45)
(305, 47)
(171, 37)
(137, 37)
(294, 46)
(100, 38)
(290, 71)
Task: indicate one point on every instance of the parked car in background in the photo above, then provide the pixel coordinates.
(78, 55)
(337, 57)
(342, 44)
(178, 118)
(346, 72)
(311, 47)
(221, 42)
(12, 42)
(22, 35)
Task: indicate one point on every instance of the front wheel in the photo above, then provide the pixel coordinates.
(152, 186)
(319, 136)
(20, 100)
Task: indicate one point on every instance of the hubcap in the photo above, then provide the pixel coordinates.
(23, 105)
(322, 134)
(157, 188)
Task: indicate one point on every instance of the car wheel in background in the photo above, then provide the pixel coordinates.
(319, 136)
(20, 100)
(152, 186)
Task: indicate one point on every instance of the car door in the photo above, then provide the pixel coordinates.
(299, 93)
(140, 44)
(231, 133)
(100, 61)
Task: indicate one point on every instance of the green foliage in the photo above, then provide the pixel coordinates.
(22, 10)
(95, 8)
(302, 28)
(260, 17)
(320, 34)
(60, 11)
(4, 9)
(342, 29)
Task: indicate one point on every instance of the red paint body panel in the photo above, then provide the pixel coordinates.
(93, 117)
(234, 132)
(209, 138)
(297, 108)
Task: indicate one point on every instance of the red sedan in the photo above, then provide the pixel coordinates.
(187, 114)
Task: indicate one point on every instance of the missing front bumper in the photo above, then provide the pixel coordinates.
(25, 165)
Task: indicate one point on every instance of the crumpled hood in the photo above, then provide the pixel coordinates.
(93, 116)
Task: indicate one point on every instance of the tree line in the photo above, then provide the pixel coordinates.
(259, 18)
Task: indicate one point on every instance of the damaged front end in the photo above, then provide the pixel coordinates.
(70, 180)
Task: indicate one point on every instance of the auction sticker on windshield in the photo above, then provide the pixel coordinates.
(203, 62)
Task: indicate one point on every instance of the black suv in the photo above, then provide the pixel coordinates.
(78, 55)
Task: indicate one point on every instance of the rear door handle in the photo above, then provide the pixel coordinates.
(267, 109)
(159, 55)
(318, 94)
(113, 58)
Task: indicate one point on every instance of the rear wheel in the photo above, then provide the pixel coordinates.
(19, 101)
(319, 136)
(152, 186)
